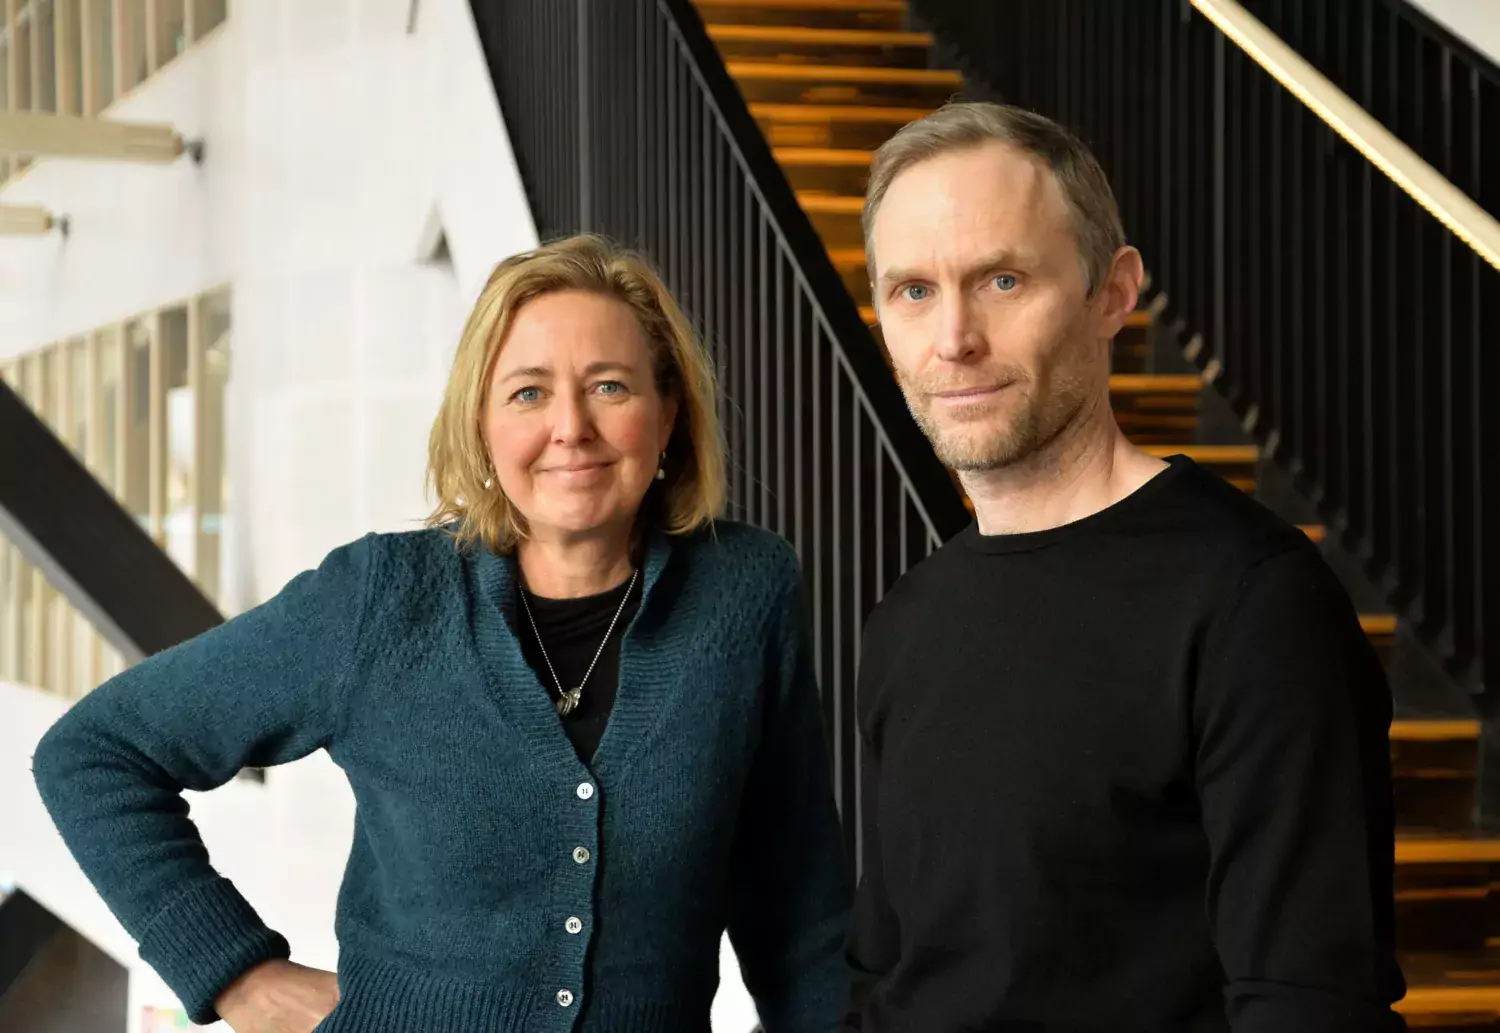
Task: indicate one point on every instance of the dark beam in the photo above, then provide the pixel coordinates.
(25, 928)
(71, 528)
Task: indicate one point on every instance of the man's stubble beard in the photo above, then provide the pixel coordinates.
(992, 441)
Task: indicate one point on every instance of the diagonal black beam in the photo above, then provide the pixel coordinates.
(25, 928)
(71, 528)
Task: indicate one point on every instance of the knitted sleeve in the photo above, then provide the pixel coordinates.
(790, 907)
(260, 690)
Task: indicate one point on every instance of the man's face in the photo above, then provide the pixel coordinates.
(984, 307)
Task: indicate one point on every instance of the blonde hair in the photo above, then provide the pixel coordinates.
(458, 463)
(961, 125)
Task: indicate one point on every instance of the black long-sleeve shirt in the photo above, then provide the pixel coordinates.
(1126, 775)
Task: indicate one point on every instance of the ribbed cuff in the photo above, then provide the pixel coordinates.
(206, 939)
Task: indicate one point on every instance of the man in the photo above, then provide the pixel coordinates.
(1124, 743)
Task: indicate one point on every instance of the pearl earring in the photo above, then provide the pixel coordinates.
(661, 468)
(489, 482)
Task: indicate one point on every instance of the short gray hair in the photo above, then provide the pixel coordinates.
(961, 125)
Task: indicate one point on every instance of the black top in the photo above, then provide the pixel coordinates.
(1128, 774)
(572, 629)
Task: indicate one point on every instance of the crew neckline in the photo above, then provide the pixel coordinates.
(547, 602)
(1026, 541)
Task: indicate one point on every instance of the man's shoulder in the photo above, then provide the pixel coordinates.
(1208, 525)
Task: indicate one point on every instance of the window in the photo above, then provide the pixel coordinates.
(99, 44)
(212, 553)
(78, 57)
(130, 45)
(5, 49)
(20, 56)
(44, 388)
(10, 613)
(170, 30)
(77, 358)
(143, 405)
(135, 493)
(69, 33)
(207, 16)
(5, 58)
(178, 534)
(110, 455)
(43, 56)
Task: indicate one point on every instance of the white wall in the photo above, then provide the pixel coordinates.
(338, 147)
(1477, 21)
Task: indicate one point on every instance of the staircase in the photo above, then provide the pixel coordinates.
(828, 81)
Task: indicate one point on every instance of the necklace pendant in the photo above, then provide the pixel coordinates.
(568, 702)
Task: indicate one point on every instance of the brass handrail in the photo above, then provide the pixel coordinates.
(1402, 165)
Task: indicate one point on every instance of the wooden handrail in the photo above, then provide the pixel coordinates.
(1402, 165)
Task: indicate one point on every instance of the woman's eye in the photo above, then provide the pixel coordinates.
(527, 395)
(1005, 282)
(914, 292)
(610, 387)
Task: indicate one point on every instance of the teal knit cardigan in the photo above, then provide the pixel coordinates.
(496, 882)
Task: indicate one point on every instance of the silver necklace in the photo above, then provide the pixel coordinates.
(567, 699)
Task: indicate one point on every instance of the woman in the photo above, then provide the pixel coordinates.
(577, 714)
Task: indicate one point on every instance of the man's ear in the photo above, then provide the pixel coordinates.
(1120, 291)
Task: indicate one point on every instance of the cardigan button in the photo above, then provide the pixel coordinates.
(565, 997)
(585, 791)
(581, 855)
(574, 925)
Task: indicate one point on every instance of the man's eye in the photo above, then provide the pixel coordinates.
(1005, 282)
(914, 292)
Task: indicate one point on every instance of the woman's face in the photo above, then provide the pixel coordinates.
(573, 420)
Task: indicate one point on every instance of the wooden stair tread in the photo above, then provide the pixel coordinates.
(813, 37)
(1378, 623)
(1229, 455)
(1447, 849)
(802, 157)
(1140, 319)
(847, 258)
(1450, 1000)
(823, 113)
(831, 204)
(1155, 383)
(1435, 730)
(1317, 532)
(882, 6)
(775, 71)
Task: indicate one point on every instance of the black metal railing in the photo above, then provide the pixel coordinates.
(1430, 88)
(625, 121)
(1354, 334)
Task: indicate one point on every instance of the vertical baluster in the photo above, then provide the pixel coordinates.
(779, 344)
(708, 227)
(764, 342)
(800, 312)
(747, 386)
(820, 600)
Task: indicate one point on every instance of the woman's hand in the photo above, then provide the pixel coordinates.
(278, 997)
